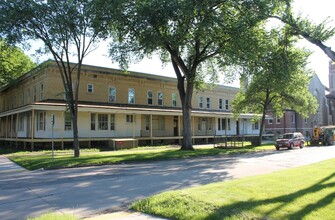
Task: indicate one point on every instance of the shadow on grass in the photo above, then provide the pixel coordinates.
(33, 162)
(237, 209)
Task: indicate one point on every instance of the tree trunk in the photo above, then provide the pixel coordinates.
(186, 103)
(75, 134)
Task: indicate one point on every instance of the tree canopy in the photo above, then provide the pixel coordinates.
(277, 80)
(13, 62)
(199, 38)
(66, 27)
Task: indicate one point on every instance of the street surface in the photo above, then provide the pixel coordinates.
(92, 190)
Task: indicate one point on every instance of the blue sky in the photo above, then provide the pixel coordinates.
(319, 62)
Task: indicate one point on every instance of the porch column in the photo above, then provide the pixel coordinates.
(32, 129)
(17, 130)
(151, 133)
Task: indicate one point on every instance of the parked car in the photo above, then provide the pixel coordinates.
(290, 140)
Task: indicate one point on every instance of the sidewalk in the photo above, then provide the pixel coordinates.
(7, 165)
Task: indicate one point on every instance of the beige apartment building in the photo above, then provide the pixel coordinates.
(114, 105)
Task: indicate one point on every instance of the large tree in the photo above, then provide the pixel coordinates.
(316, 34)
(13, 62)
(276, 80)
(66, 27)
(199, 38)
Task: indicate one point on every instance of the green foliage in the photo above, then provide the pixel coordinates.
(13, 63)
(300, 193)
(277, 80)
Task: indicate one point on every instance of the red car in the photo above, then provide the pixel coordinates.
(290, 140)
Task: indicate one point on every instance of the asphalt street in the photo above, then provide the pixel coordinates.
(88, 191)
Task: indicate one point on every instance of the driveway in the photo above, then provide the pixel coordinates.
(91, 190)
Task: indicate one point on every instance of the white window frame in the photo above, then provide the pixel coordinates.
(90, 88)
(208, 102)
(150, 97)
(131, 96)
(160, 98)
(102, 121)
(227, 104)
(174, 99)
(220, 104)
(201, 102)
(111, 94)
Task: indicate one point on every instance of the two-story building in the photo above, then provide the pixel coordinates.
(113, 105)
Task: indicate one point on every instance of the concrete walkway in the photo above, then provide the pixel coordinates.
(7, 165)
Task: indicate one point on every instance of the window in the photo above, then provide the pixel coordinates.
(21, 123)
(103, 121)
(22, 100)
(255, 126)
(277, 120)
(147, 122)
(223, 123)
(208, 100)
(158, 122)
(41, 90)
(201, 102)
(204, 124)
(34, 93)
(111, 94)
(220, 103)
(112, 122)
(90, 88)
(149, 96)
(293, 119)
(131, 96)
(40, 121)
(92, 121)
(67, 121)
(28, 96)
(174, 99)
(160, 98)
(227, 104)
(306, 121)
(270, 121)
(129, 118)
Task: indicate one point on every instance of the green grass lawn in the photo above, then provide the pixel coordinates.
(301, 193)
(64, 159)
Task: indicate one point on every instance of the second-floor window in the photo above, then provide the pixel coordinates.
(277, 120)
(41, 90)
(270, 121)
(149, 96)
(227, 104)
(160, 98)
(220, 103)
(293, 119)
(208, 102)
(34, 93)
(111, 94)
(90, 88)
(201, 102)
(131, 96)
(174, 99)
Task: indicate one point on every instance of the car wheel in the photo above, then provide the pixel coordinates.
(277, 148)
(291, 146)
(302, 145)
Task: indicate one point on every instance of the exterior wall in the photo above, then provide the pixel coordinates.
(32, 98)
(291, 121)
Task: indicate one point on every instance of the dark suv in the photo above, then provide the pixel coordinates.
(290, 140)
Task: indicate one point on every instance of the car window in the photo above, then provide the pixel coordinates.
(288, 136)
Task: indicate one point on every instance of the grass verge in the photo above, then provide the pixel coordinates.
(54, 216)
(300, 193)
(65, 159)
